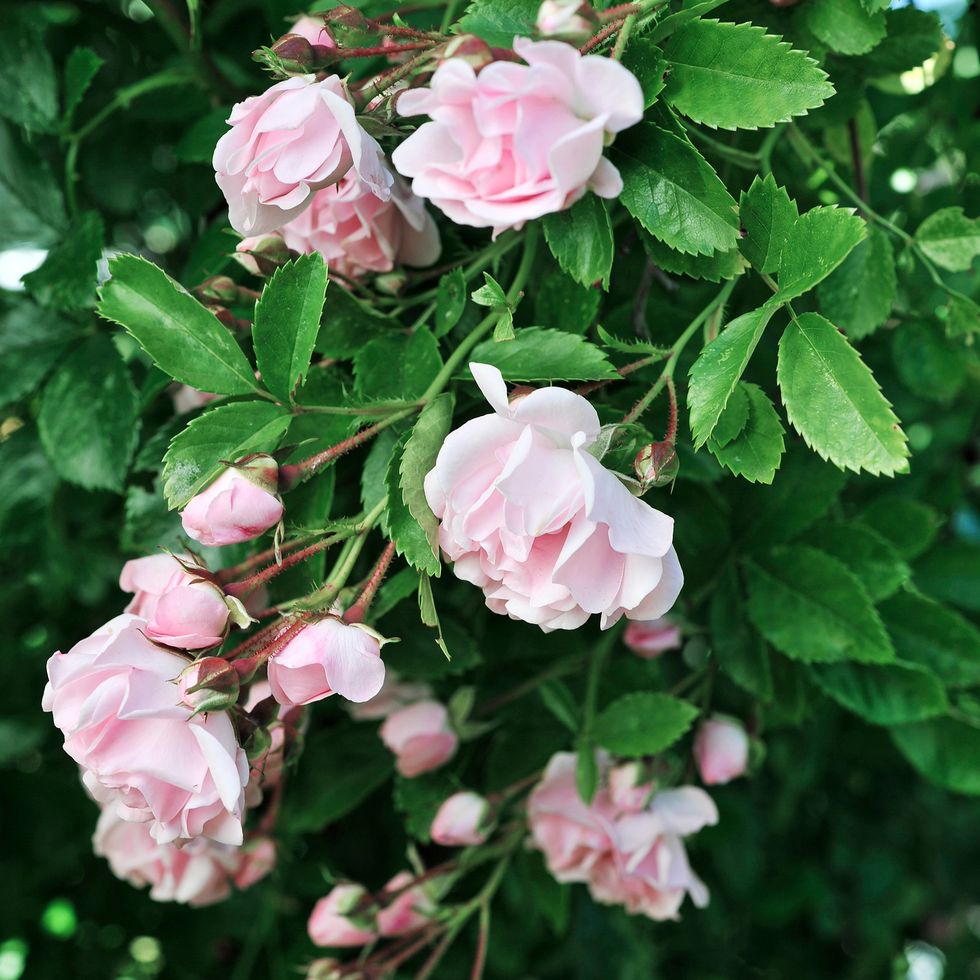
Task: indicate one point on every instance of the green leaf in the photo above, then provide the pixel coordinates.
(732, 422)
(962, 317)
(913, 37)
(952, 572)
(348, 324)
(28, 88)
(148, 525)
(834, 402)
(397, 365)
(647, 62)
(926, 632)
(632, 346)
(225, 432)
(675, 21)
(812, 608)
(27, 486)
(735, 76)
(338, 770)
(884, 694)
(581, 239)
(450, 301)
(737, 646)
(184, 339)
(586, 771)
(872, 558)
(859, 294)
(559, 700)
(409, 537)
(845, 26)
(713, 268)
(430, 615)
(565, 304)
(767, 214)
(197, 144)
(31, 342)
(538, 354)
(498, 21)
(950, 239)
(909, 525)
(67, 279)
(31, 207)
(89, 417)
(927, 362)
(757, 449)
(643, 723)
(817, 243)
(490, 294)
(400, 586)
(287, 319)
(945, 751)
(418, 457)
(82, 66)
(719, 368)
(674, 192)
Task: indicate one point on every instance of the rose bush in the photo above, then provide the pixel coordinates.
(536, 444)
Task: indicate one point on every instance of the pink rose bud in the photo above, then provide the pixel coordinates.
(463, 820)
(420, 736)
(261, 255)
(651, 638)
(142, 754)
(300, 135)
(242, 503)
(394, 694)
(208, 684)
(516, 142)
(314, 29)
(570, 20)
(358, 233)
(410, 909)
(656, 465)
(255, 860)
(187, 399)
(328, 657)
(584, 545)
(721, 749)
(343, 917)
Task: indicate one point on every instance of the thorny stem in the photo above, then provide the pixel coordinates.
(357, 612)
(671, 432)
(597, 38)
(231, 573)
(623, 38)
(623, 372)
(247, 586)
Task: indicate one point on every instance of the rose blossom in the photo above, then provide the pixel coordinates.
(300, 135)
(721, 750)
(335, 920)
(463, 820)
(650, 638)
(239, 505)
(517, 141)
(142, 753)
(183, 607)
(531, 517)
(627, 844)
(200, 873)
(313, 29)
(357, 232)
(328, 657)
(420, 736)
(394, 694)
(410, 909)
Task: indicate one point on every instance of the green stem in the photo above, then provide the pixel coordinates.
(449, 16)
(623, 38)
(741, 158)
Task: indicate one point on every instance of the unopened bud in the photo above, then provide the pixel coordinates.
(209, 684)
(656, 465)
(570, 20)
(295, 53)
(472, 49)
(391, 283)
(259, 469)
(263, 254)
(219, 289)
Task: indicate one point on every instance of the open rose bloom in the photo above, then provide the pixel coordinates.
(516, 142)
(420, 736)
(627, 845)
(531, 517)
(357, 232)
(299, 135)
(142, 753)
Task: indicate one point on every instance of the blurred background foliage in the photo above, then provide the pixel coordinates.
(835, 860)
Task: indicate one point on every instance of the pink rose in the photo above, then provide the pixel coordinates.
(410, 909)
(420, 736)
(298, 136)
(627, 844)
(517, 141)
(200, 873)
(562, 18)
(343, 917)
(313, 29)
(186, 399)
(328, 657)
(142, 753)
(648, 639)
(239, 505)
(394, 694)
(357, 232)
(463, 820)
(531, 517)
(721, 749)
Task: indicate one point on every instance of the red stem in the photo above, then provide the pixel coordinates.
(671, 434)
(357, 612)
(229, 574)
(386, 49)
(597, 39)
(294, 473)
(248, 585)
